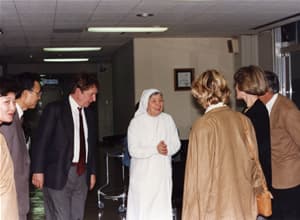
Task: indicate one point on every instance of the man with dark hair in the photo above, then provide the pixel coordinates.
(63, 157)
(28, 94)
(285, 150)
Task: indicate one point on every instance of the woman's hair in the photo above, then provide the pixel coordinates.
(251, 80)
(7, 85)
(210, 88)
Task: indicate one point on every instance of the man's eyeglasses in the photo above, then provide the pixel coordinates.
(37, 93)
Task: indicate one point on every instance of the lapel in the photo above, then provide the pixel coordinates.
(19, 126)
(88, 121)
(274, 111)
(68, 120)
(86, 116)
(17, 119)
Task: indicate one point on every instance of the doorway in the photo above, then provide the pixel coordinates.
(287, 66)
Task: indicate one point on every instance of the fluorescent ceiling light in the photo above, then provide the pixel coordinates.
(127, 29)
(70, 49)
(66, 59)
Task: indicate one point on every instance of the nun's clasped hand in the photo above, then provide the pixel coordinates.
(162, 148)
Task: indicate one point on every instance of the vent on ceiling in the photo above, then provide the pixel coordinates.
(67, 30)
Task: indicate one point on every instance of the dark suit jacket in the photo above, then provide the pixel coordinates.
(52, 148)
(15, 139)
(285, 139)
(259, 117)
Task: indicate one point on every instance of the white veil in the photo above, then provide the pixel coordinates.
(143, 104)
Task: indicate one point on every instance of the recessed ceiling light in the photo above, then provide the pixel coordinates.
(66, 59)
(145, 14)
(127, 29)
(70, 49)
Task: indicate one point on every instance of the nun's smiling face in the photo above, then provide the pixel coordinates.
(155, 105)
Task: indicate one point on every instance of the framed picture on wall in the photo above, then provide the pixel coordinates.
(183, 78)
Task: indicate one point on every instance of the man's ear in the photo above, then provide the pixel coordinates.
(78, 91)
(25, 93)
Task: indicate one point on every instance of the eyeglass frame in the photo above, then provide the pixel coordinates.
(39, 94)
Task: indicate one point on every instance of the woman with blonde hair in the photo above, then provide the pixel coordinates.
(221, 180)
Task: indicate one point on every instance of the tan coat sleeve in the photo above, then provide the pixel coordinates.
(257, 173)
(8, 195)
(198, 177)
(292, 124)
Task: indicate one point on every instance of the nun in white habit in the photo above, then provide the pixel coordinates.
(152, 140)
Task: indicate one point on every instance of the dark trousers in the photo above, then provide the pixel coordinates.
(68, 203)
(286, 204)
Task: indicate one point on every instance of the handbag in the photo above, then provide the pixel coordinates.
(263, 199)
(264, 204)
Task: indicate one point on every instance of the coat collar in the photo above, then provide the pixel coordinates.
(211, 107)
(222, 108)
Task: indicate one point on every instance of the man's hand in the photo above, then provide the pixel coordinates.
(38, 180)
(92, 181)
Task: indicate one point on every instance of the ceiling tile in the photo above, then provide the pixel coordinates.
(29, 25)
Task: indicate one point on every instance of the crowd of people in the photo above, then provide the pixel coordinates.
(62, 160)
(221, 179)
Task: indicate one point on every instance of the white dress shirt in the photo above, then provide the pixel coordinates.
(19, 110)
(271, 102)
(75, 116)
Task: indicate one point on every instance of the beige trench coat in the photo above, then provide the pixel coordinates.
(221, 180)
(8, 194)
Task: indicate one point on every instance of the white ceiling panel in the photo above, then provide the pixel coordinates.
(30, 25)
(43, 7)
(76, 7)
(7, 8)
(121, 8)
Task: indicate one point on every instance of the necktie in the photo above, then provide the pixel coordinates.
(81, 161)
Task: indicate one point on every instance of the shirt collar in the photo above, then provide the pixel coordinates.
(19, 110)
(213, 106)
(73, 103)
(271, 102)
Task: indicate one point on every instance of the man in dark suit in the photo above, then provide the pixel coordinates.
(63, 157)
(285, 151)
(27, 97)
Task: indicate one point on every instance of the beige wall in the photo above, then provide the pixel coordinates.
(249, 50)
(265, 50)
(154, 63)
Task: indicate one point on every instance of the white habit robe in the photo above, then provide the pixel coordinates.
(150, 186)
